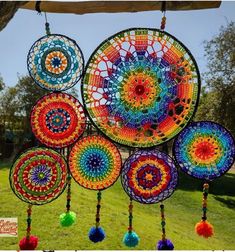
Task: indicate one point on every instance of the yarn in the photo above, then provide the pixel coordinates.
(96, 234)
(131, 239)
(204, 228)
(165, 245)
(67, 219)
(28, 243)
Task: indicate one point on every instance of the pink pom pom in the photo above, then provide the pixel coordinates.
(28, 243)
(204, 228)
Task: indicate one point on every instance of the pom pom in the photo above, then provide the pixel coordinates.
(165, 245)
(96, 234)
(28, 243)
(131, 239)
(67, 219)
(204, 228)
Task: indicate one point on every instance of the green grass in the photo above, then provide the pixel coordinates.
(182, 211)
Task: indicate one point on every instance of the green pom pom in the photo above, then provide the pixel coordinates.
(67, 219)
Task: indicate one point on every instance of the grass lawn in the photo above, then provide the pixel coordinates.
(182, 211)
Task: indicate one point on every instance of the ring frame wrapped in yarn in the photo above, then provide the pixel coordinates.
(55, 62)
(95, 163)
(204, 150)
(38, 176)
(141, 87)
(58, 120)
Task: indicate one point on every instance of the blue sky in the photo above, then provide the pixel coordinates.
(89, 30)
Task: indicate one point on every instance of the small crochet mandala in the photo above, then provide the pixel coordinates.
(38, 176)
(149, 176)
(204, 150)
(58, 120)
(95, 163)
(141, 87)
(55, 62)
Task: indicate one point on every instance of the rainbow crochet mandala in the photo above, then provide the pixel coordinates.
(204, 150)
(57, 120)
(55, 62)
(149, 176)
(141, 87)
(95, 163)
(38, 176)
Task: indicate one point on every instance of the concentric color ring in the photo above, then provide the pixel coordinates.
(141, 87)
(58, 120)
(149, 176)
(95, 163)
(38, 176)
(55, 62)
(204, 150)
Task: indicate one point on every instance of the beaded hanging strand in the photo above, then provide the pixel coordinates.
(97, 234)
(29, 242)
(163, 22)
(164, 244)
(130, 239)
(47, 26)
(204, 228)
(69, 217)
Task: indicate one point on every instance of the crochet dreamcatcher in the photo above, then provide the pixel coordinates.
(37, 177)
(141, 87)
(55, 63)
(95, 163)
(148, 176)
(204, 150)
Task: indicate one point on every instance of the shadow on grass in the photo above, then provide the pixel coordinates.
(220, 186)
(230, 203)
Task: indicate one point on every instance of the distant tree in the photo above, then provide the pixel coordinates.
(2, 84)
(218, 96)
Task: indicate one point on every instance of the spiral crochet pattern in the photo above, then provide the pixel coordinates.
(149, 176)
(55, 62)
(141, 87)
(38, 176)
(95, 163)
(58, 120)
(204, 150)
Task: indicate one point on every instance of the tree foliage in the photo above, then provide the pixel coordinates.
(217, 101)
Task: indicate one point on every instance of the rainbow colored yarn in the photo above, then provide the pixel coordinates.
(38, 176)
(95, 163)
(55, 62)
(149, 176)
(204, 150)
(58, 120)
(141, 87)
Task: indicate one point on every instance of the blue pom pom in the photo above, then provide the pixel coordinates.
(165, 245)
(131, 239)
(96, 234)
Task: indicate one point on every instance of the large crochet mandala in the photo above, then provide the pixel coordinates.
(55, 62)
(204, 150)
(57, 120)
(149, 176)
(38, 176)
(95, 163)
(141, 87)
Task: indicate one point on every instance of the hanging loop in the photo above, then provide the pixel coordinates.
(163, 10)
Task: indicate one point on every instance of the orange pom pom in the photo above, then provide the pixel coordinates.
(204, 228)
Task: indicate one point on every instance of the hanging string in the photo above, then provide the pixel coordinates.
(97, 234)
(69, 217)
(29, 242)
(164, 244)
(130, 239)
(163, 10)
(204, 228)
(47, 25)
